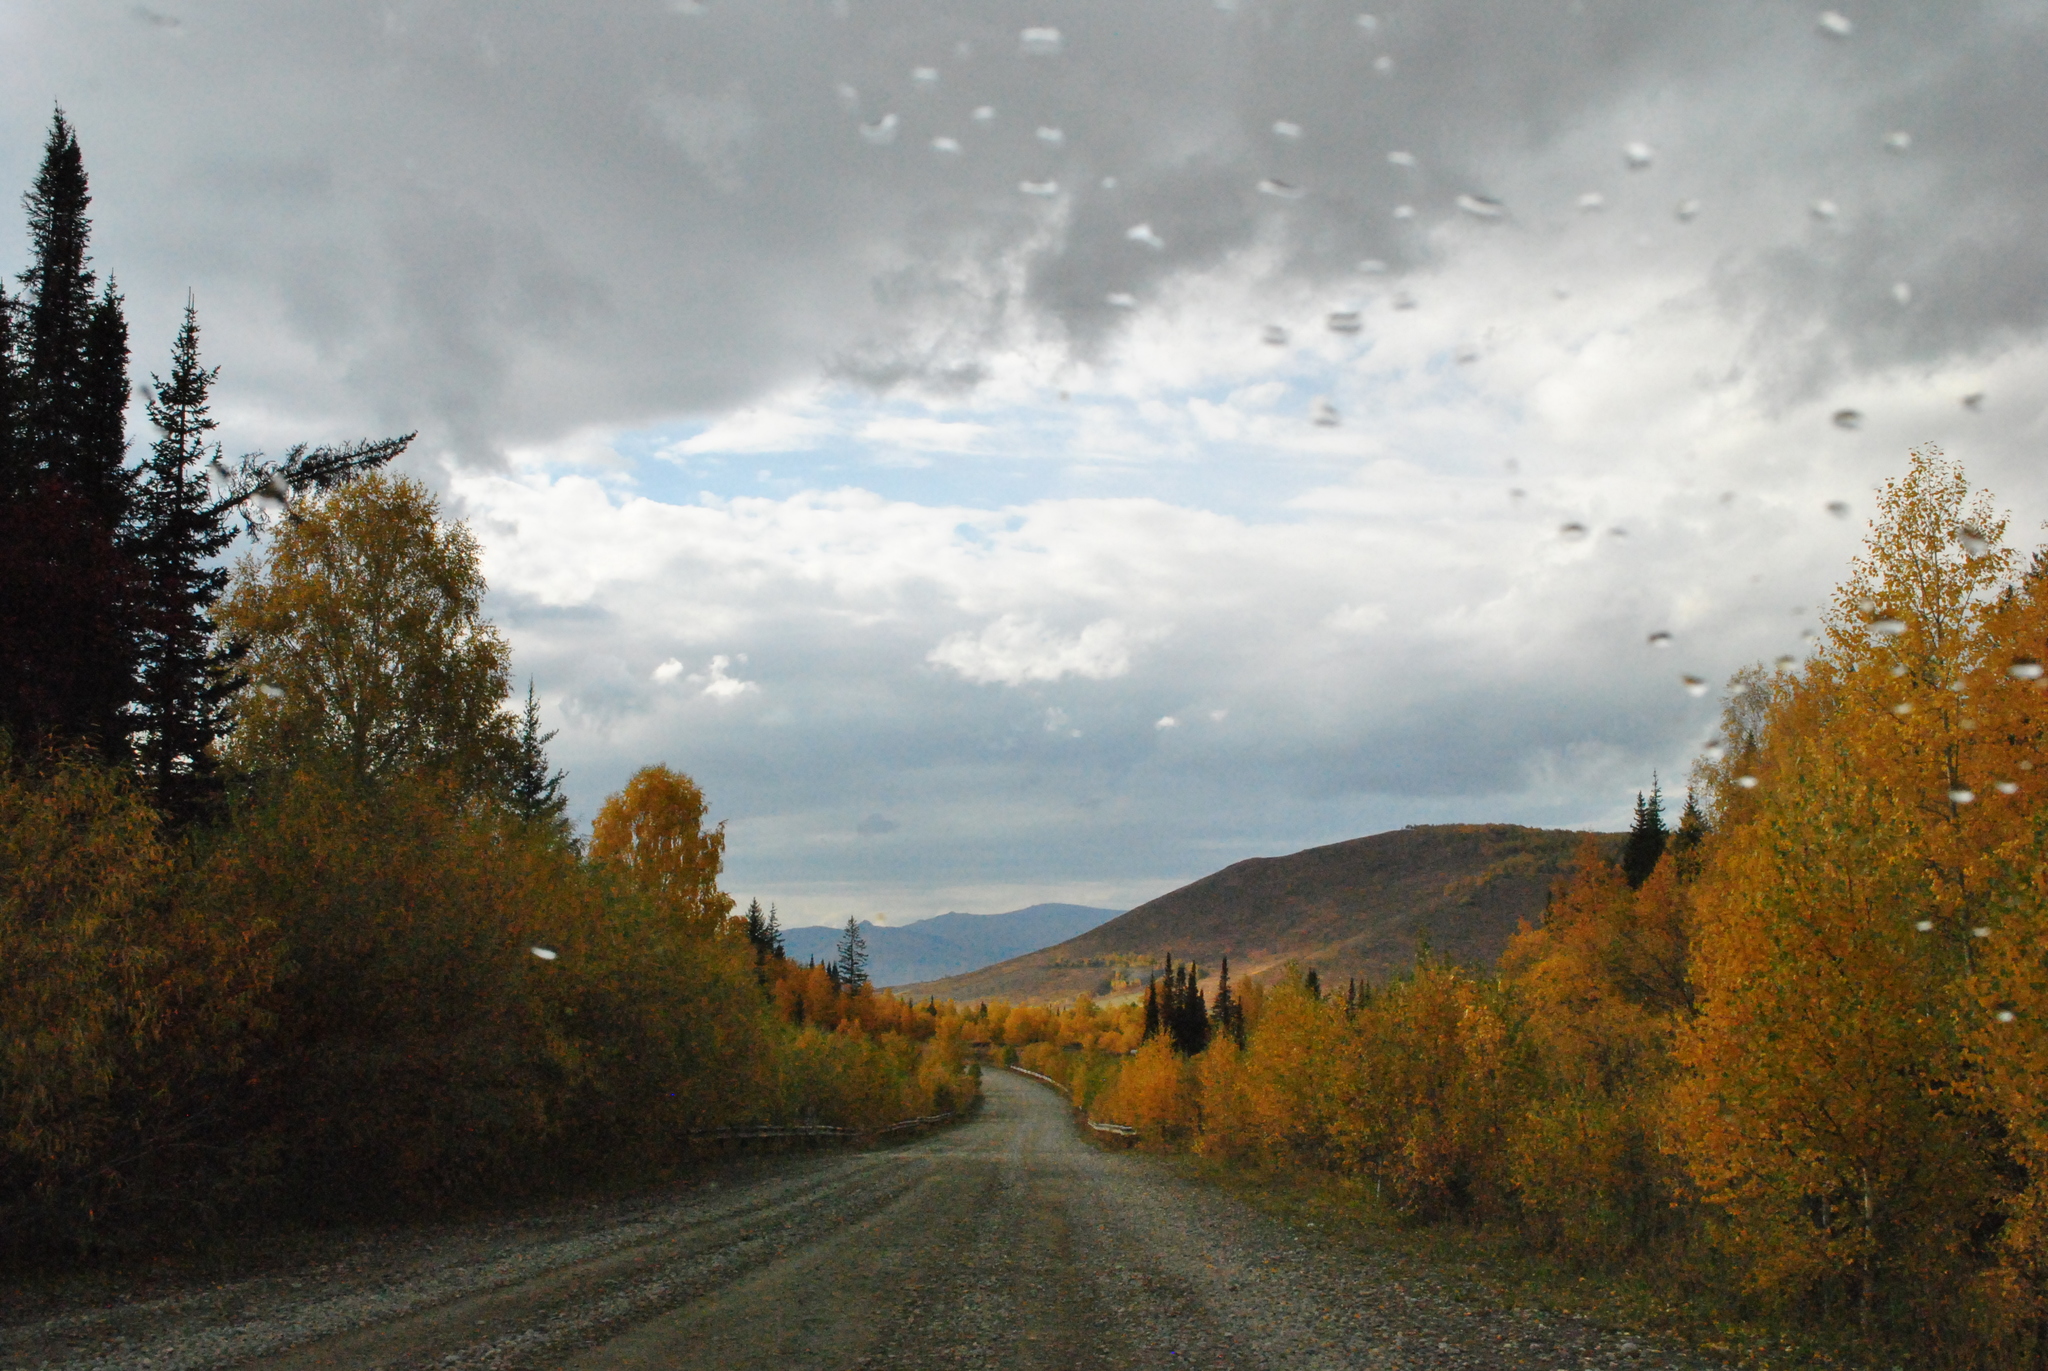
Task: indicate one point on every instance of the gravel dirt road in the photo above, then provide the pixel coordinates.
(1006, 1241)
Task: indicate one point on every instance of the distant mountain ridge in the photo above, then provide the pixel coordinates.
(1357, 908)
(950, 943)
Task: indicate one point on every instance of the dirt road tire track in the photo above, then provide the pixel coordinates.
(1006, 1241)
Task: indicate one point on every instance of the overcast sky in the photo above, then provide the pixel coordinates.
(1047, 451)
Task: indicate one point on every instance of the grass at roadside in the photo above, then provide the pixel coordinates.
(1494, 1266)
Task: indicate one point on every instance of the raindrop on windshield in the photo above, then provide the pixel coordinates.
(1592, 200)
(546, 954)
(1120, 299)
(1848, 419)
(1325, 415)
(1403, 300)
(1482, 206)
(1980, 932)
(1824, 209)
(1925, 926)
(1369, 23)
(1974, 400)
(1052, 137)
(2003, 1016)
(882, 132)
(2024, 669)
(925, 76)
(270, 692)
(1888, 627)
(1746, 782)
(1280, 190)
(1039, 42)
(1687, 210)
(1571, 532)
(1401, 159)
(848, 97)
(1286, 128)
(2007, 787)
(1383, 64)
(1898, 140)
(1273, 336)
(1834, 24)
(1373, 266)
(1975, 540)
(1839, 508)
(1695, 686)
(1142, 233)
(1404, 211)
(1660, 639)
(1343, 321)
(984, 114)
(1902, 708)
(950, 146)
(1638, 156)
(1042, 188)
(1960, 795)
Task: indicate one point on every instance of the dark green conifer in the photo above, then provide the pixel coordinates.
(1313, 984)
(1646, 837)
(852, 962)
(535, 792)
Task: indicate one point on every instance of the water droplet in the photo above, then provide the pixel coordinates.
(1373, 266)
(2024, 669)
(1325, 415)
(1142, 233)
(1824, 209)
(1052, 137)
(1403, 300)
(1850, 419)
(2007, 787)
(882, 132)
(546, 954)
(1887, 626)
(1714, 750)
(849, 98)
(1903, 708)
(984, 114)
(1383, 64)
(1980, 932)
(925, 76)
(1834, 24)
(1962, 796)
(1746, 782)
(2003, 1016)
(1369, 23)
(1687, 210)
(1898, 670)
(2026, 766)
(1785, 661)
(1839, 508)
(1119, 299)
(270, 692)
(1286, 128)
(1401, 159)
(1465, 355)
(1866, 604)
(1660, 639)
(1591, 201)
(1572, 532)
(1042, 188)
(1974, 400)
(1273, 336)
(1040, 42)
(1482, 206)
(1343, 321)
(1902, 292)
(1280, 190)
(1404, 211)
(1925, 926)
(1637, 156)
(1109, 183)
(1975, 540)
(947, 146)
(274, 491)
(1898, 140)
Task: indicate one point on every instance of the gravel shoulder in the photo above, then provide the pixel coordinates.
(1005, 1241)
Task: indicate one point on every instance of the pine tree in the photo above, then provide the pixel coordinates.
(1228, 1015)
(1151, 1011)
(1313, 984)
(67, 610)
(852, 962)
(775, 947)
(1646, 837)
(185, 677)
(535, 792)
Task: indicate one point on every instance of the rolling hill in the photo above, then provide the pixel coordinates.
(1357, 908)
(950, 943)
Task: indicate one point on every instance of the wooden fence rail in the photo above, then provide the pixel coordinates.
(1121, 1130)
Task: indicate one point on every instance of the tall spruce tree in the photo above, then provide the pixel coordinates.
(67, 608)
(1646, 837)
(1151, 1011)
(186, 676)
(534, 792)
(852, 961)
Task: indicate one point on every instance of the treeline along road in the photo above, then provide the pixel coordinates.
(1005, 1241)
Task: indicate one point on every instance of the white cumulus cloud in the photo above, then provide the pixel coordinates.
(1015, 649)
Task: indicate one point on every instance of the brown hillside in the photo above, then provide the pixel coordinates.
(1357, 908)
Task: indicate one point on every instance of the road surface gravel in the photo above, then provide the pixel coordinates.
(1006, 1241)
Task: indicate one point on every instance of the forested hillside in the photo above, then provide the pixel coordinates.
(295, 926)
(1353, 909)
